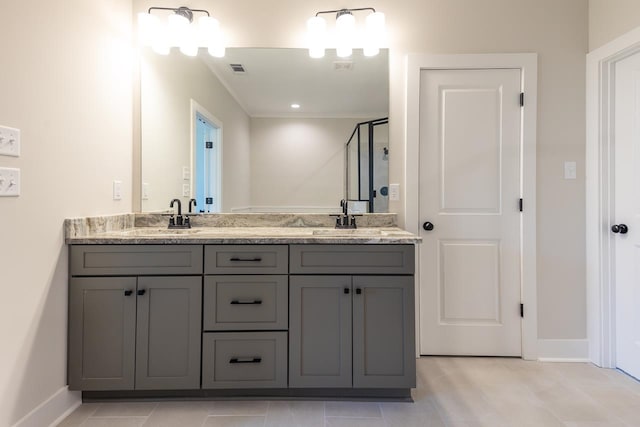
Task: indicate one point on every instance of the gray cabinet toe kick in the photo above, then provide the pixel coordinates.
(305, 320)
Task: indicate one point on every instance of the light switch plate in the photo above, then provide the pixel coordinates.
(186, 173)
(9, 141)
(186, 190)
(145, 191)
(394, 192)
(117, 190)
(9, 182)
(569, 170)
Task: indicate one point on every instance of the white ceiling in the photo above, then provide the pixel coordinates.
(276, 78)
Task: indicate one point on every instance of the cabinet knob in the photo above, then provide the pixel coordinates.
(127, 293)
(346, 291)
(358, 291)
(142, 292)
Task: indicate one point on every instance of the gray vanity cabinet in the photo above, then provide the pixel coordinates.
(102, 333)
(135, 317)
(352, 330)
(129, 333)
(320, 331)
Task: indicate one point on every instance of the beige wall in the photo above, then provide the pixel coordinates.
(298, 162)
(65, 82)
(609, 19)
(168, 84)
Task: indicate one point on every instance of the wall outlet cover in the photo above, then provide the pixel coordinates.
(117, 190)
(394, 192)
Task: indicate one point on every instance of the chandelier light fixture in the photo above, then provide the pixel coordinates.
(345, 35)
(181, 30)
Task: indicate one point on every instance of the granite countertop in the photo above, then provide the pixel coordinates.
(234, 229)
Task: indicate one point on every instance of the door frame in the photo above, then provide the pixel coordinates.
(600, 193)
(528, 64)
(194, 110)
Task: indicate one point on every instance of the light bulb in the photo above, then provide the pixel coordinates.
(177, 29)
(316, 27)
(374, 33)
(345, 26)
(189, 44)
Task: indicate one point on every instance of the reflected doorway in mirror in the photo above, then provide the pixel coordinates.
(206, 159)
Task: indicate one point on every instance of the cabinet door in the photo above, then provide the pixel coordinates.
(102, 330)
(320, 331)
(383, 332)
(168, 339)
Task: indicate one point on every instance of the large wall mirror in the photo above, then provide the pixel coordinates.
(226, 131)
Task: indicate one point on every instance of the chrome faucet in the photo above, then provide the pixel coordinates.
(178, 221)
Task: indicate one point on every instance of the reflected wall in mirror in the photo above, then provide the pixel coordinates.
(223, 130)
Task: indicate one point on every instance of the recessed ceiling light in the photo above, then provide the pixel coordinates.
(295, 106)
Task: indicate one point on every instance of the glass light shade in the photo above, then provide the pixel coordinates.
(161, 44)
(177, 28)
(316, 29)
(189, 44)
(148, 29)
(374, 33)
(345, 28)
(210, 36)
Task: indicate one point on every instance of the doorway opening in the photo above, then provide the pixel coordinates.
(206, 160)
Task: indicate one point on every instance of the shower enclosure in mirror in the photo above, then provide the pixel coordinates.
(266, 156)
(368, 166)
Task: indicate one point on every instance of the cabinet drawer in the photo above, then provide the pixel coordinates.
(244, 360)
(103, 260)
(246, 302)
(352, 259)
(246, 259)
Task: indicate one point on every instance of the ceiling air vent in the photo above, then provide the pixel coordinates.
(237, 68)
(342, 65)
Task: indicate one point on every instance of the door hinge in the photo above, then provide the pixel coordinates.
(208, 144)
(521, 205)
(522, 99)
(521, 310)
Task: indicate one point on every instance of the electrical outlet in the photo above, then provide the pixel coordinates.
(186, 190)
(9, 182)
(394, 192)
(186, 173)
(117, 190)
(9, 141)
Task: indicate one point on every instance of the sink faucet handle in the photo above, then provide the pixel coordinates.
(179, 205)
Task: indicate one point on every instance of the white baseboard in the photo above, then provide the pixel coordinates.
(53, 410)
(563, 350)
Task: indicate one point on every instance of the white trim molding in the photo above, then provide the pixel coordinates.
(53, 410)
(600, 195)
(563, 350)
(528, 64)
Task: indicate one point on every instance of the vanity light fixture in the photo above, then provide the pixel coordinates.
(182, 31)
(346, 37)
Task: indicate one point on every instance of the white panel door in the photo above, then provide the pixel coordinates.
(627, 214)
(470, 133)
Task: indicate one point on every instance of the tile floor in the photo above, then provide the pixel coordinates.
(492, 392)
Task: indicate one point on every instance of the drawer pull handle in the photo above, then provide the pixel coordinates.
(241, 302)
(246, 360)
(142, 292)
(236, 259)
(127, 293)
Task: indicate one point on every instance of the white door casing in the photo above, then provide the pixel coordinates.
(470, 127)
(527, 64)
(627, 214)
(601, 195)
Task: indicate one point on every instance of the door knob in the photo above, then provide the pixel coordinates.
(620, 228)
(427, 226)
